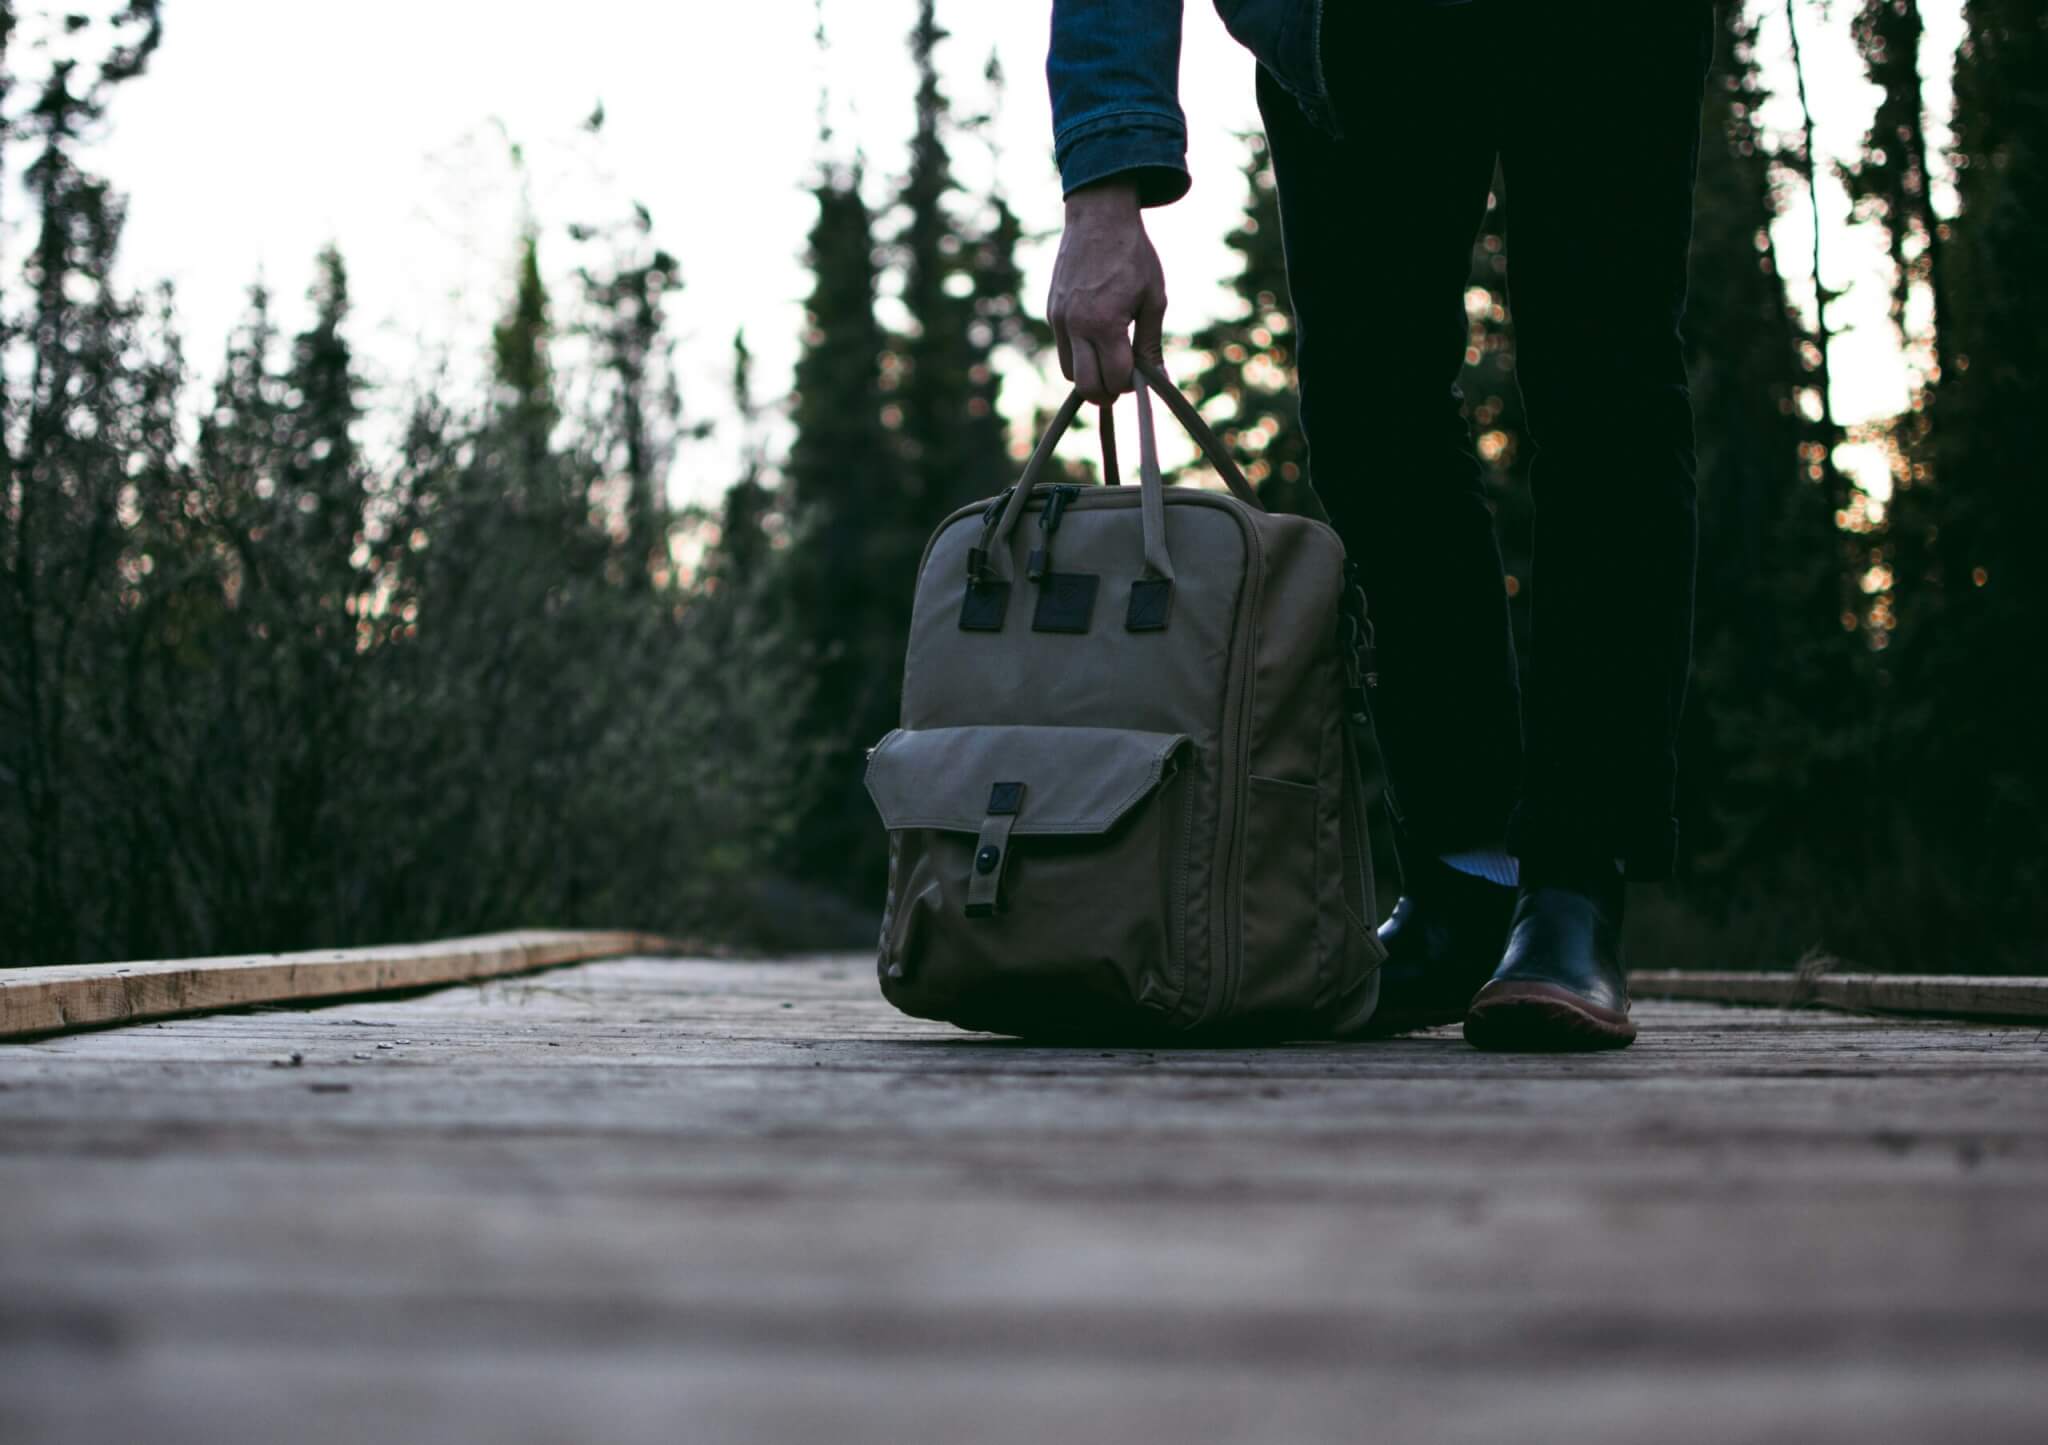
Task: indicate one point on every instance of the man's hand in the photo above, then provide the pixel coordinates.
(1107, 277)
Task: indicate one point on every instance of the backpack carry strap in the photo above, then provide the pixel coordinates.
(995, 555)
(1146, 380)
(1152, 489)
(1152, 482)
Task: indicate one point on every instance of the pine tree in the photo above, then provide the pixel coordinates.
(892, 433)
(1966, 735)
(315, 531)
(642, 426)
(237, 466)
(1245, 386)
(1001, 322)
(67, 587)
(1891, 181)
(949, 432)
(323, 477)
(745, 541)
(856, 533)
(1781, 688)
(526, 410)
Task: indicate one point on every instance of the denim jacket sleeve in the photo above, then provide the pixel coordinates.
(1114, 69)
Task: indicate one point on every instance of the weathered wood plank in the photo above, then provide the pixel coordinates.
(1775, 990)
(36, 1001)
(647, 1200)
(1932, 994)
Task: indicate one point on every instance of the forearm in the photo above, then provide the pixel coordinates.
(1113, 70)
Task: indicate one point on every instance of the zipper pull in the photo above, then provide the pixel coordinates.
(977, 555)
(1049, 523)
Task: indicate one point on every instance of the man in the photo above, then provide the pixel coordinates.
(1519, 818)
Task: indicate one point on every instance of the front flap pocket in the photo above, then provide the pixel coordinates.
(1049, 780)
(1037, 874)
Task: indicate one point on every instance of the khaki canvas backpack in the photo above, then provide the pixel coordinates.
(1125, 799)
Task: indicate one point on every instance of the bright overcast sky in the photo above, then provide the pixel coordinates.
(266, 128)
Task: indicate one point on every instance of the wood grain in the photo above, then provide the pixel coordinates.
(1932, 995)
(55, 1000)
(644, 1200)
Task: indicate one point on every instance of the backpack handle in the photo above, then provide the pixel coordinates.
(1212, 447)
(1151, 481)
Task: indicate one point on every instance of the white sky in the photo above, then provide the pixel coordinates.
(266, 128)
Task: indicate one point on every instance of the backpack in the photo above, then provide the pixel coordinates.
(1125, 800)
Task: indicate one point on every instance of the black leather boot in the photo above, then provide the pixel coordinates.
(1561, 985)
(1443, 941)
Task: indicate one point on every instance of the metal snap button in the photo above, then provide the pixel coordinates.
(985, 861)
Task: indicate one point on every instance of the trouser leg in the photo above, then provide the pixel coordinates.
(1599, 147)
(1378, 231)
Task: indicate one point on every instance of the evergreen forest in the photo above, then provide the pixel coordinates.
(267, 686)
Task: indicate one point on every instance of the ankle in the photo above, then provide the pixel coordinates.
(1600, 879)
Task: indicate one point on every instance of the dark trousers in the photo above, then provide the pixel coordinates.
(1592, 112)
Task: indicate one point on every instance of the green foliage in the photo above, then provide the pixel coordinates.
(854, 525)
(1773, 564)
(264, 687)
(1863, 776)
(527, 412)
(893, 431)
(1962, 733)
(262, 692)
(1891, 181)
(639, 423)
(958, 286)
(1245, 383)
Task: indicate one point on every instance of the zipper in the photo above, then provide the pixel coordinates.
(1233, 872)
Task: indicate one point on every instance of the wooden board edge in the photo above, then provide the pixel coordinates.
(41, 1002)
(1924, 995)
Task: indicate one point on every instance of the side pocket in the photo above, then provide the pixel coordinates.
(1281, 960)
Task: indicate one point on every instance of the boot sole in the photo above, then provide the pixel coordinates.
(1543, 1018)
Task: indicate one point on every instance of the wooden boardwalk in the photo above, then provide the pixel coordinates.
(703, 1202)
